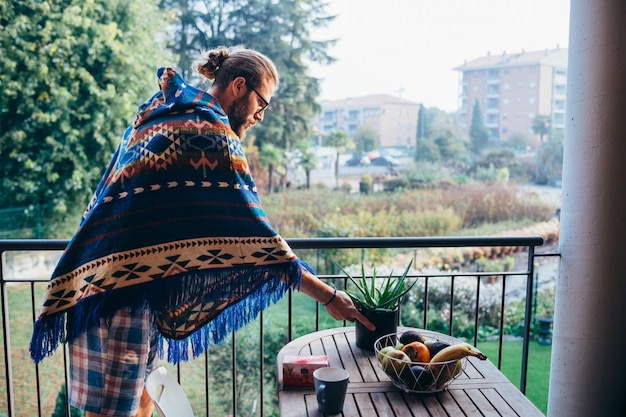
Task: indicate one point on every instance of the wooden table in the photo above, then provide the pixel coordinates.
(482, 390)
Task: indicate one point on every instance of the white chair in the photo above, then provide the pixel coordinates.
(167, 395)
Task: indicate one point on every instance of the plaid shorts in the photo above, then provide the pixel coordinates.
(109, 364)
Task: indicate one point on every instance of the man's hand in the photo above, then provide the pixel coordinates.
(340, 307)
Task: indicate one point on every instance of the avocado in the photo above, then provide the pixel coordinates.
(421, 380)
(436, 346)
(411, 336)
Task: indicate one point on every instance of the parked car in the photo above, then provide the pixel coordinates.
(385, 161)
(357, 161)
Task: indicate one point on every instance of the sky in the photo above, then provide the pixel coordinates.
(409, 48)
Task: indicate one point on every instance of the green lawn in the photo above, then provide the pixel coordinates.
(538, 376)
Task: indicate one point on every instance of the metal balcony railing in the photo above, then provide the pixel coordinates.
(31, 390)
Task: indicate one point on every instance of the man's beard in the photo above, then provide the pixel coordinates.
(237, 116)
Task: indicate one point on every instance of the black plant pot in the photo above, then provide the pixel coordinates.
(386, 322)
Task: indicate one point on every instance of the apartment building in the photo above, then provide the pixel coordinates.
(395, 119)
(512, 89)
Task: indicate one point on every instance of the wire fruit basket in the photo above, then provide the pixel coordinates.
(417, 377)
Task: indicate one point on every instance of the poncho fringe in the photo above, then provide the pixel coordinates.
(53, 330)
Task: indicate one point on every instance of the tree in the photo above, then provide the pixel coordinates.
(446, 135)
(549, 159)
(439, 137)
(274, 159)
(72, 75)
(279, 29)
(340, 141)
(307, 159)
(518, 140)
(366, 139)
(421, 131)
(541, 126)
(478, 132)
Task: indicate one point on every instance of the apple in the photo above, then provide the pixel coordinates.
(384, 351)
(394, 363)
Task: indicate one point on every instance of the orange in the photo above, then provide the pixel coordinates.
(417, 351)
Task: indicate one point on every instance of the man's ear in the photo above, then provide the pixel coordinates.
(238, 87)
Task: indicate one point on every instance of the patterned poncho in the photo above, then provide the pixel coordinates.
(175, 226)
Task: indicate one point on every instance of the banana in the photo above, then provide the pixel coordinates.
(451, 357)
(457, 351)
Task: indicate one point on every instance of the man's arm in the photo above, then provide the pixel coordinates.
(340, 307)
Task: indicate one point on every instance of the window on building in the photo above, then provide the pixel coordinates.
(505, 101)
(492, 103)
(505, 131)
(531, 100)
(506, 86)
(559, 118)
(475, 88)
(532, 84)
(328, 115)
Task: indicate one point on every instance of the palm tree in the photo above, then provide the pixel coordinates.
(542, 125)
(307, 159)
(340, 141)
(273, 158)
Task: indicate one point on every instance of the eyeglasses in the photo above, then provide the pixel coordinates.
(265, 102)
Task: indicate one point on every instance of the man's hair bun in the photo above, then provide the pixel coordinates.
(211, 61)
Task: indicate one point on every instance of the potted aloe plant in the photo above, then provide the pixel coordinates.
(379, 300)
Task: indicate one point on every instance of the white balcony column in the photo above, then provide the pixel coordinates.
(588, 372)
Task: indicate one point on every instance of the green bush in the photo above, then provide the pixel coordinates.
(464, 308)
(395, 184)
(60, 409)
